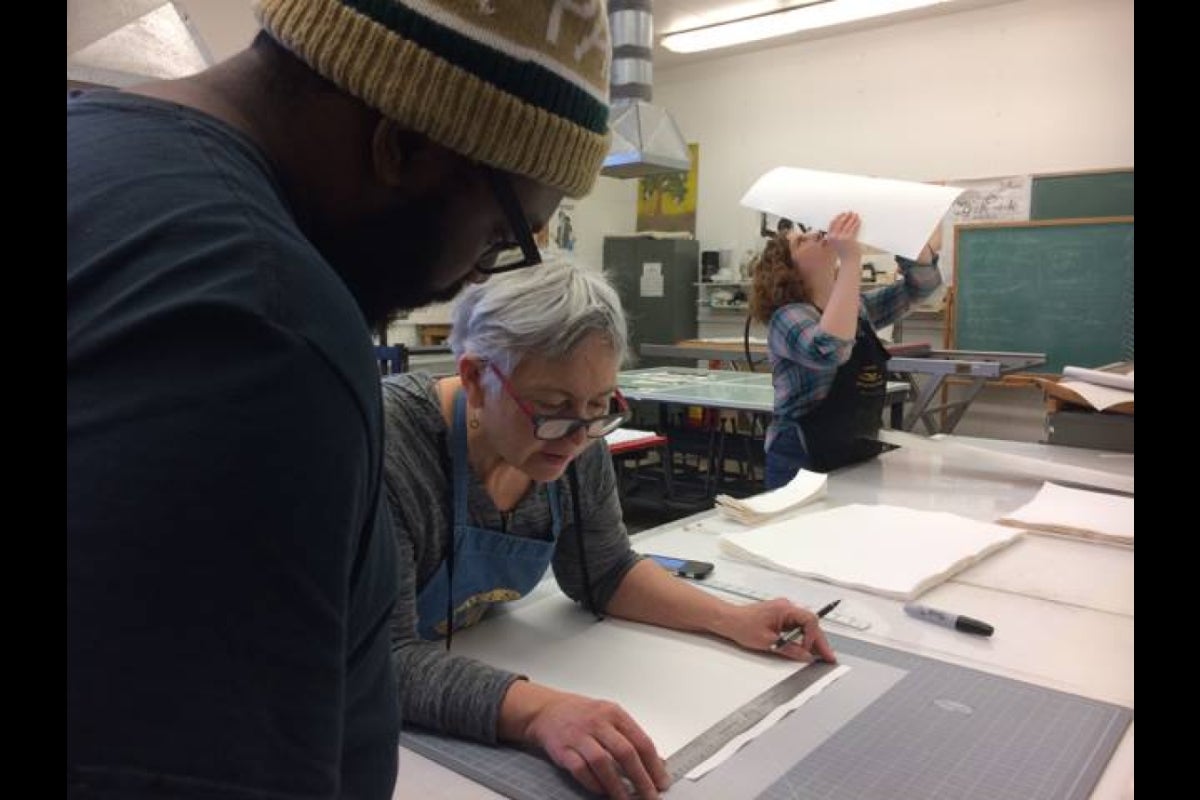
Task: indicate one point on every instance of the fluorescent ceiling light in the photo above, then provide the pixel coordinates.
(816, 14)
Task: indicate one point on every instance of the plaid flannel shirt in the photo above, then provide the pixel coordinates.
(805, 358)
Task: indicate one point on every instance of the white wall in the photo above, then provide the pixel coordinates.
(610, 210)
(1024, 87)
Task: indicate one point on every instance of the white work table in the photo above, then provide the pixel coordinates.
(1062, 609)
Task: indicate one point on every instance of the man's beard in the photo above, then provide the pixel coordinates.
(387, 261)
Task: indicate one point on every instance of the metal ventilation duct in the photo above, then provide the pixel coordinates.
(645, 139)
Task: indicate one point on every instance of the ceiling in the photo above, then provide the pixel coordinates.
(671, 16)
(225, 26)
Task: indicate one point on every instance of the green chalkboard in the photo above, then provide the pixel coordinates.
(1062, 288)
(1084, 194)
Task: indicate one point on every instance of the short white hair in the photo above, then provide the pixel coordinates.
(544, 311)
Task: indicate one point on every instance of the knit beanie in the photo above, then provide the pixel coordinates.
(521, 85)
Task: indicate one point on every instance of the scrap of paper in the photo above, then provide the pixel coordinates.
(766, 723)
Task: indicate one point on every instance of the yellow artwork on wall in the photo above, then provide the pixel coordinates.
(667, 202)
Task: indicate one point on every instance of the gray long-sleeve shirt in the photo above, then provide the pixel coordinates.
(438, 690)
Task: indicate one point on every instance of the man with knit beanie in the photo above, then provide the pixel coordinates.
(232, 239)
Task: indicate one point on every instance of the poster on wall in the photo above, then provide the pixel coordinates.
(564, 228)
(667, 202)
(1004, 199)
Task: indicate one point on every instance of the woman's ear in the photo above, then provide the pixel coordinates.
(470, 372)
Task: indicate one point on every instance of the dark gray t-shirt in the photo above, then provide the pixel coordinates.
(230, 561)
(439, 690)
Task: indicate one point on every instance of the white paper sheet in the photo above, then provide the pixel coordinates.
(765, 724)
(1099, 397)
(731, 340)
(1077, 512)
(1054, 568)
(652, 279)
(887, 550)
(897, 216)
(981, 458)
(675, 685)
(1115, 380)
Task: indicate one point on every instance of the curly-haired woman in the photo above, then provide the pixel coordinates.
(828, 367)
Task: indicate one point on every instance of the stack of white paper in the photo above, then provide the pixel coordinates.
(1100, 389)
(805, 488)
(1077, 513)
(623, 435)
(887, 550)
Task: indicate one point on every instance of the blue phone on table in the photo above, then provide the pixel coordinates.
(683, 567)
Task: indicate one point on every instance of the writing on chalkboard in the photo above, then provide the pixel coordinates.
(992, 200)
(983, 200)
(1063, 288)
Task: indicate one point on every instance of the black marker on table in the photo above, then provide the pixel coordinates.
(945, 618)
(796, 633)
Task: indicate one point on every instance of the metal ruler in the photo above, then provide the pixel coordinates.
(706, 745)
(754, 594)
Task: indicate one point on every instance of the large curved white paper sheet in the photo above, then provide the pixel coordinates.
(897, 216)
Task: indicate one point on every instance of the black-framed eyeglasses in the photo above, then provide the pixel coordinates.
(805, 232)
(522, 251)
(811, 235)
(554, 427)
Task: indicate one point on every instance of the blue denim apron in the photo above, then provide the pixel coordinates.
(489, 566)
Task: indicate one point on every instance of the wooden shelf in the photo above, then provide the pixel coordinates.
(432, 333)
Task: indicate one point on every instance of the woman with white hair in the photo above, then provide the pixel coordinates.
(500, 472)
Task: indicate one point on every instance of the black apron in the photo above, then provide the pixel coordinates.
(842, 428)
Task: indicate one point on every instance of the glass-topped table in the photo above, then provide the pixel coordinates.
(723, 389)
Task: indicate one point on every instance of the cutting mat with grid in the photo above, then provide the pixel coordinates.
(945, 731)
(941, 731)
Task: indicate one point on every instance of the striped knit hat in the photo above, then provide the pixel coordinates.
(521, 85)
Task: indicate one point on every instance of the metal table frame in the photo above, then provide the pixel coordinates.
(978, 365)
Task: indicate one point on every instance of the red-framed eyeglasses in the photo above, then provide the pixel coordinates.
(555, 427)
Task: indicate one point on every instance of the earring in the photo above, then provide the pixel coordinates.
(473, 422)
